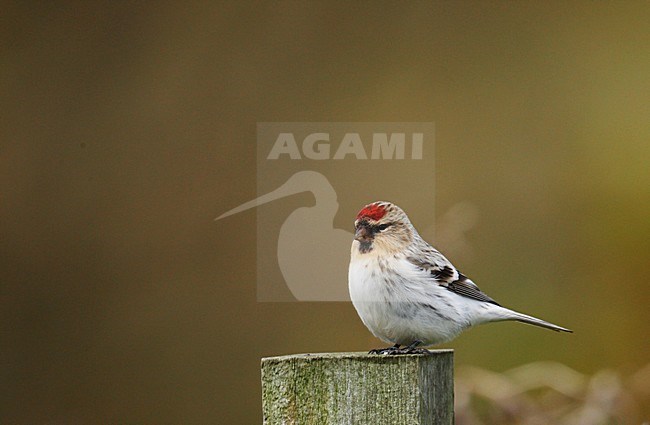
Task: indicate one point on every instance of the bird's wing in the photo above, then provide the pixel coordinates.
(464, 286)
(445, 274)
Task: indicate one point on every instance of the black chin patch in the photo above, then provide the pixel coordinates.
(365, 247)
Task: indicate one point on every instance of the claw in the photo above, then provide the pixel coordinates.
(396, 351)
(385, 351)
(415, 351)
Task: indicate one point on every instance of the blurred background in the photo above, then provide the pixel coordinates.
(126, 128)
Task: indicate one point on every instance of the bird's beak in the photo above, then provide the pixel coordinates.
(362, 234)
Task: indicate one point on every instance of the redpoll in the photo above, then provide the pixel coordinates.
(407, 293)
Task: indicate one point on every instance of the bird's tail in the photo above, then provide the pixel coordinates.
(499, 313)
(524, 318)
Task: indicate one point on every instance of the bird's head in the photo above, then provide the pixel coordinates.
(382, 228)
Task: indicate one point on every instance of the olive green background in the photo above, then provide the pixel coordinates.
(126, 128)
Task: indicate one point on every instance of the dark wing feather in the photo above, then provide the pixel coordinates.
(443, 273)
(464, 286)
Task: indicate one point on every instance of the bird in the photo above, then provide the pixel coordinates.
(409, 294)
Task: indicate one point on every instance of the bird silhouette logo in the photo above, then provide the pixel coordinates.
(312, 254)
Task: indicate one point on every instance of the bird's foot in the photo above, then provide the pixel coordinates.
(396, 351)
(414, 350)
(384, 351)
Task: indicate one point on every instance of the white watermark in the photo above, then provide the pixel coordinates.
(317, 146)
(303, 247)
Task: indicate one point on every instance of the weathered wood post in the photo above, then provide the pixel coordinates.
(358, 389)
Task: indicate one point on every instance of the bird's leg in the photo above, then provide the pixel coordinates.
(410, 349)
(388, 350)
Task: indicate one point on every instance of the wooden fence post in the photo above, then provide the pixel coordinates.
(358, 389)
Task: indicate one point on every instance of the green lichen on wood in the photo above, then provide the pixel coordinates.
(357, 388)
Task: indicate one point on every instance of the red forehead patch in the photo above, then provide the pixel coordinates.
(373, 211)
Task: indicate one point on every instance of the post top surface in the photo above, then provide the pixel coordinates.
(357, 355)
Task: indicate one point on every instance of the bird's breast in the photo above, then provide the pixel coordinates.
(377, 278)
(362, 279)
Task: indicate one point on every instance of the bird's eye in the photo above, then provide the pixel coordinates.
(383, 227)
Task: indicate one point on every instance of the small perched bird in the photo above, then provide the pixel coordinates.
(407, 293)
